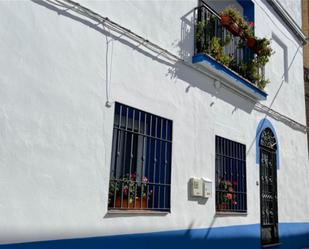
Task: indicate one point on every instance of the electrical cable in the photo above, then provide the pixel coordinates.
(74, 6)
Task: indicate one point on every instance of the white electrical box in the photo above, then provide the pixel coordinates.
(197, 186)
(207, 190)
(201, 187)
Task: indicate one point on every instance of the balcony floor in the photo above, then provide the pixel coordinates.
(228, 76)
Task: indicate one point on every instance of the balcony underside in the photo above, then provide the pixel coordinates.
(228, 76)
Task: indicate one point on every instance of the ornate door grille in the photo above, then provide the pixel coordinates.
(268, 188)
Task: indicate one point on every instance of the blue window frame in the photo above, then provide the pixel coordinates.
(140, 173)
(231, 188)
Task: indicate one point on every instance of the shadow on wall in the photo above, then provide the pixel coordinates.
(176, 70)
(206, 84)
(240, 237)
(96, 26)
(186, 42)
(200, 201)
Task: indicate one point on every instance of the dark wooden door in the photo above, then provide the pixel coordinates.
(268, 196)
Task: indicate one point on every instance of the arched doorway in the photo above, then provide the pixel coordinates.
(268, 188)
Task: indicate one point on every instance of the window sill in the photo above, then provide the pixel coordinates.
(218, 213)
(271, 245)
(132, 212)
(229, 78)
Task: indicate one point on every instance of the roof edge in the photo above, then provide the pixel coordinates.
(289, 21)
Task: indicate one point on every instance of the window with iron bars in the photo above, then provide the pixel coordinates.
(231, 189)
(140, 175)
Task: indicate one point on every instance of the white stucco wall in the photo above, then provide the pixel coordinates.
(56, 131)
(287, 58)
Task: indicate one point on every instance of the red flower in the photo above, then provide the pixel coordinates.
(125, 190)
(229, 196)
(251, 24)
(133, 177)
(145, 180)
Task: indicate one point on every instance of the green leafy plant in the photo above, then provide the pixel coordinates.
(247, 28)
(199, 33)
(215, 46)
(263, 50)
(202, 28)
(216, 50)
(226, 195)
(233, 13)
(129, 188)
(262, 83)
(251, 70)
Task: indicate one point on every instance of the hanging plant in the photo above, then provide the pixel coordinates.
(216, 50)
(263, 49)
(230, 24)
(251, 41)
(214, 47)
(232, 20)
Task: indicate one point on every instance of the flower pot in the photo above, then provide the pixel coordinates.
(225, 20)
(231, 25)
(256, 49)
(138, 203)
(251, 41)
(222, 207)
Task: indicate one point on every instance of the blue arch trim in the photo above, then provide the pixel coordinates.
(263, 124)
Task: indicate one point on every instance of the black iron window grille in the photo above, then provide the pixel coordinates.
(140, 175)
(231, 189)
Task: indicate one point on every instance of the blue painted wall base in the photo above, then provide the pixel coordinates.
(292, 236)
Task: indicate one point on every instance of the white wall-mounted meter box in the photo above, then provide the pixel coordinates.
(197, 187)
(207, 188)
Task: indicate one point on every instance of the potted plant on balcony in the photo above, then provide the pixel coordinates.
(252, 70)
(236, 24)
(232, 20)
(248, 35)
(251, 41)
(216, 50)
(262, 49)
(215, 46)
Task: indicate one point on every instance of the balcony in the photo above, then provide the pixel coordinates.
(225, 55)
